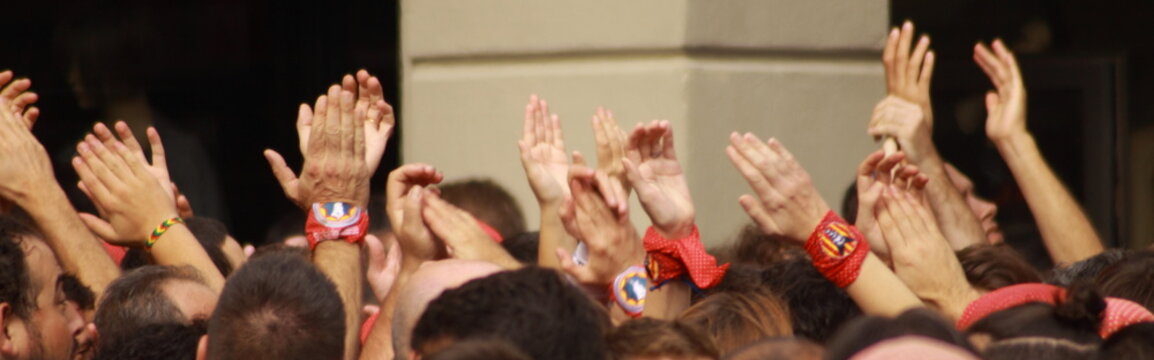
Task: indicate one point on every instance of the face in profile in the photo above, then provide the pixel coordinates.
(985, 210)
(54, 323)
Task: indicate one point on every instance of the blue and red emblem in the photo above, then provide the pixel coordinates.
(629, 290)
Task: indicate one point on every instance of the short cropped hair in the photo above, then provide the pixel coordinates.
(532, 308)
(136, 300)
(16, 288)
(173, 341)
(487, 201)
(277, 306)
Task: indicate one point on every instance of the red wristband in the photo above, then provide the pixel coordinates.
(336, 220)
(837, 249)
(668, 259)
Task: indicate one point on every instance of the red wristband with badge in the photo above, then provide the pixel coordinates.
(336, 220)
(668, 259)
(837, 249)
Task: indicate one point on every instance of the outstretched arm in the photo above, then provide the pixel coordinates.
(546, 166)
(1066, 231)
(27, 180)
(787, 204)
(906, 116)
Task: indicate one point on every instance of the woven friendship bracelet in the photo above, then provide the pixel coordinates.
(837, 249)
(161, 229)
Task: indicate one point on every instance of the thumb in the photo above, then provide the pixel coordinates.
(376, 252)
(578, 272)
(284, 175)
(99, 227)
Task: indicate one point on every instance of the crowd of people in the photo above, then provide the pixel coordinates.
(913, 267)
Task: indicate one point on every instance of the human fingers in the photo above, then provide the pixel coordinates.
(668, 149)
(752, 175)
(128, 138)
(284, 175)
(927, 72)
(115, 167)
(914, 67)
(889, 56)
(92, 184)
(757, 212)
(98, 226)
(319, 120)
(159, 156)
(15, 88)
(529, 124)
(901, 61)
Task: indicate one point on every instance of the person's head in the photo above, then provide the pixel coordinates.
(276, 306)
(488, 202)
(779, 348)
(754, 247)
(213, 237)
(523, 247)
(1071, 325)
(817, 307)
(534, 309)
(151, 295)
(648, 338)
(985, 210)
(866, 331)
(990, 267)
(36, 320)
(175, 341)
(1086, 269)
(487, 349)
(1132, 342)
(736, 319)
(1130, 278)
(424, 285)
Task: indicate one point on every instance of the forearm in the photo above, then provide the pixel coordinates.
(551, 236)
(878, 291)
(379, 343)
(1066, 231)
(667, 302)
(955, 219)
(79, 251)
(341, 262)
(178, 246)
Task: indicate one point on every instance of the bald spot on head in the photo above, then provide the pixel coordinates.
(428, 282)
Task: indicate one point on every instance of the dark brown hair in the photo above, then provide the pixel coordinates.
(736, 319)
(647, 337)
(991, 267)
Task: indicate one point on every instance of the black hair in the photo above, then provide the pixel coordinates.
(1131, 342)
(277, 306)
(523, 247)
(137, 300)
(1130, 278)
(16, 288)
(175, 341)
(817, 307)
(863, 332)
(77, 292)
(1075, 318)
(533, 308)
(481, 349)
(1085, 269)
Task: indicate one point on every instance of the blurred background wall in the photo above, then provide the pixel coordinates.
(806, 72)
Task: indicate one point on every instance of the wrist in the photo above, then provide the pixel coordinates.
(676, 230)
(1012, 138)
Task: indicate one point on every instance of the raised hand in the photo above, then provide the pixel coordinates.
(16, 99)
(611, 144)
(24, 164)
(874, 174)
(404, 191)
(543, 153)
(612, 243)
(908, 73)
(334, 166)
(132, 200)
(369, 110)
(652, 167)
(1007, 103)
(383, 266)
(461, 234)
(786, 202)
(157, 166)
(922, 257)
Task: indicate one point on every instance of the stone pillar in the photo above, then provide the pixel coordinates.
(806, 72)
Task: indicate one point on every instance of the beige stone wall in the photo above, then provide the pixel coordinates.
(806, 72)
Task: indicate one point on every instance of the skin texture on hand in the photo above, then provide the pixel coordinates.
(652, 167)
(875, 173)
(334, 167)
(1066, 231)
(921, 256)
(546, 167)
(611, 144)
(589, 215)
(461, 234)
(786, 202)
(369, 109)
(404, 191)
(16, 99)
(909, 71)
